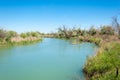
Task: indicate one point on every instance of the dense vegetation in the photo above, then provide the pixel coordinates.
(13, 38)
(92, 35)
(105, 64)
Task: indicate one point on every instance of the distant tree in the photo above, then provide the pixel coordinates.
(115, 24)
(11, 34)
(107, 30)
(64, 32)
(34, 34)
(23, 35)
(28, 33)
(84, 32)
(2, 33)
(92, 31)
(79, 31)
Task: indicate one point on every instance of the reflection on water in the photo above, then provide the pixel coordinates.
(53, 59)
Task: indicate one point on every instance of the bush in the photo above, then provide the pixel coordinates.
(12, 33)
(92, 31)
(95, 40)
(23, 35)
(104, 64)
(107, 30)
(34, 34)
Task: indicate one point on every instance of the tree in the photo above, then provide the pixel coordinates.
(64, 32)
(92, 31)
(115, 24)
(107, 30)
(34, 34)
(12, 34)
(23, 35)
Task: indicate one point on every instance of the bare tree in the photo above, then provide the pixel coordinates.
(115, 24)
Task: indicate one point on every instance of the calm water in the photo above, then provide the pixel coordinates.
(53, 59)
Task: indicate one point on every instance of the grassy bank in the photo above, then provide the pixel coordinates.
(105, 64)
(8, 38)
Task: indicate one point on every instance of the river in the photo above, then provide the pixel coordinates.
(51, 59)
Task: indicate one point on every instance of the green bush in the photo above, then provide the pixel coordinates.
(34, 34)
(105, 64)
(23, 35)
(95, 40)
(11, 34)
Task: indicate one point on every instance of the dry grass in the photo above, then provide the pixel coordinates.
(20, 39)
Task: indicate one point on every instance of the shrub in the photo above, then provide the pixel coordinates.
(34, 34)
(23, 35)
(105, 63)
(12, 33)
(92, 31)
(107, 30)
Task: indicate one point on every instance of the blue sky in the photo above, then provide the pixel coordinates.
(48, 15)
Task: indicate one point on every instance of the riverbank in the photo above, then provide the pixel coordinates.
(8, 38)
(105, 64)
(20, 42)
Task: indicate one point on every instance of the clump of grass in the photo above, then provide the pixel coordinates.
(91, 39)
(96, 40)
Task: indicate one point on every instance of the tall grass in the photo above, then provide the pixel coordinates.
(105, 64)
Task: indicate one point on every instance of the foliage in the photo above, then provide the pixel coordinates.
(105, 63)
(30, 34)
(92, 31)
(9, 37)
(10, 34)
(35, 34)
(23, 35)
(64, 32)
(95, 40)
(107, 30)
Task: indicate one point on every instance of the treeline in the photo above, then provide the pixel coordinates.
(95, 35)
(7, 35)
(64, 32)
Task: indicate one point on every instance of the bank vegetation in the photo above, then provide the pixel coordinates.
(13, 38)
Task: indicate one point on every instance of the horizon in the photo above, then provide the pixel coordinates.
(47, 15)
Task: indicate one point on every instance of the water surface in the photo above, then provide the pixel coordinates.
(52, 59)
